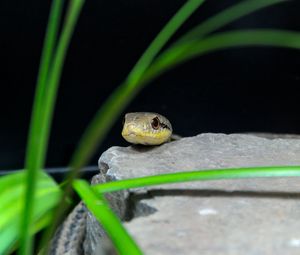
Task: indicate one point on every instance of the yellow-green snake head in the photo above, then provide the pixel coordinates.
(146, 128)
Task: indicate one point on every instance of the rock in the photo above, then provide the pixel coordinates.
(247, 216)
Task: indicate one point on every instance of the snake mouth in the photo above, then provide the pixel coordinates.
(144, 138)
(133, 134)
(128, 132)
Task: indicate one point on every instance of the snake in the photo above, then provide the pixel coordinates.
(144, 128)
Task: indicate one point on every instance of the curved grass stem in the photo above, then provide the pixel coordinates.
(200, 175)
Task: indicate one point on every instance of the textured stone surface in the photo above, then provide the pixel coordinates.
(96, 241)
(249, 216)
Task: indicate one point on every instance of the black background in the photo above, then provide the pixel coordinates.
(237, 90)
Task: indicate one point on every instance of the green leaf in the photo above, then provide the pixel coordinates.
(43, 108)
(12, 202)
(37, 137)
(225, 17)
(183, 52)
(162, 38)
(199, 175)
(98, 205)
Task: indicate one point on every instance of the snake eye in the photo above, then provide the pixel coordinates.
(155, 123)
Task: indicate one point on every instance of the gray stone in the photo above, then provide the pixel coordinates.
(248, 216)
(96, 241)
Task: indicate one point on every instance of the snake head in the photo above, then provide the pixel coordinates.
(146, 128)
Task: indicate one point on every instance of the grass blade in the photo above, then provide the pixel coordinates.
(35, 156)
(43, 110)
(98, 205)
(162, 38)
(11, 196)
(34, 152)
(73, 12)
(72, 15)
(200, 175)
(178, 54)
(225, 17)
(113, 106)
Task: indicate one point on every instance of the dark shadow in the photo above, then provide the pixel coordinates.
(142, 148)
(216, 193)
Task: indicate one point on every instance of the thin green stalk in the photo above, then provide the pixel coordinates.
(162, 38)
(72, 16)
(225, 17)
(181, 53)
(112, 108)
(98, 205)
(199, 175)
(34, 158)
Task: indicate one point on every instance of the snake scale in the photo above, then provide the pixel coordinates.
(138, 128)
